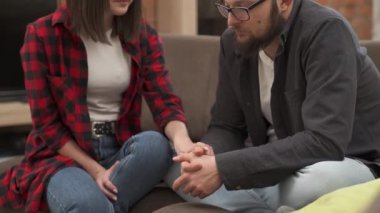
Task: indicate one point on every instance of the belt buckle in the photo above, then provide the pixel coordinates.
(93, 129)
(101, 128)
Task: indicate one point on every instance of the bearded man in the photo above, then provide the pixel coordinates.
(295, 82)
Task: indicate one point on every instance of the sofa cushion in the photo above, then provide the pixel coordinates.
(373, 50)
(157, 198)
(193, 67)
(191, 208)
(10, 162)
(353, 199)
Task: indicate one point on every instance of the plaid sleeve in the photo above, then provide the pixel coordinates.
(157, 88)
(45, 115)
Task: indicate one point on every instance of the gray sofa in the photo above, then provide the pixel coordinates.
(193, 63)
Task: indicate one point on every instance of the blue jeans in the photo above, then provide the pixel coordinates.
(144, 160)
(305, 186)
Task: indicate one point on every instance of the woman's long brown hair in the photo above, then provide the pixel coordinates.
(87, 18)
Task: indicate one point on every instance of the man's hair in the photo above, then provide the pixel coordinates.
(87, 18)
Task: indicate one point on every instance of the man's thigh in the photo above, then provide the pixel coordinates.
(298, 190)
(235, 201)
(318, 179)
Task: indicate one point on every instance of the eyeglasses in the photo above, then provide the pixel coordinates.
(240, 13)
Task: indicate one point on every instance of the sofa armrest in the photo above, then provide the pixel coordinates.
(373, 51)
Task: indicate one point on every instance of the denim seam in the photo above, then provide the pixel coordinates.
(101, 153)
(117, 171)
(257, 197)
(112, 209)
(62, 207)
(122, 164)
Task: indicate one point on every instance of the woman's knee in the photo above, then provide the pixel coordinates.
(153, 145)
(73, 190)
(152, 136)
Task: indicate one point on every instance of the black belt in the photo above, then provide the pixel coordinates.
(101, 128)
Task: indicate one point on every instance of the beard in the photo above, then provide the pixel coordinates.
(253, 44)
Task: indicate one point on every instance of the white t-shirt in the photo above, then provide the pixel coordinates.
(109, 73)
(266, 77)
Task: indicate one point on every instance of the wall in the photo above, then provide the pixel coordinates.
(150, 11)
(172, 16)
(180, 16)
(376, 20)
(60, 1)
(177, 16)
(358, 12)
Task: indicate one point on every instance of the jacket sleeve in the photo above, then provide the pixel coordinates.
(48, 129)
(330, 68)
(157, 86)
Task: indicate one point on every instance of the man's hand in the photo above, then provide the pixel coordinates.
(199, 175)
(196, 149)
(103, 180)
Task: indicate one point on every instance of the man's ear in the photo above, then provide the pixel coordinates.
(285, 5)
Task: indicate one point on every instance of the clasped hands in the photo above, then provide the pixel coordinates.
(199, 174)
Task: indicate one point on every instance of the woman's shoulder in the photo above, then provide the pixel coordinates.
(147, 29)
(49, 28)
(46, 24)
(42, 22)
(145, 36)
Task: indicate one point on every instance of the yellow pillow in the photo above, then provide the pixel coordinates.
(353, 199)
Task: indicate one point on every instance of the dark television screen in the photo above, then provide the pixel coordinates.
(14, 16)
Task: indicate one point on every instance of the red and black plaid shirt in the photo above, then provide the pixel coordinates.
(55, 65)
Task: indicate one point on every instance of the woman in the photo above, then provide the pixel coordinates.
(86, 68)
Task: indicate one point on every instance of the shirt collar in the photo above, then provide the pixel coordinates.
(61, 16)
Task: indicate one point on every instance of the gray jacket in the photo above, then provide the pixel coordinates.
(325, 102)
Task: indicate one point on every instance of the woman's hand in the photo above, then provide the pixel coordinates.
(194, 149)
(178, 135)
(203, 149)
(102, 178)
(97, 171)
(197, 149)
